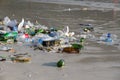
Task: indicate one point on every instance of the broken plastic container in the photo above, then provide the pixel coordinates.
(15, 28)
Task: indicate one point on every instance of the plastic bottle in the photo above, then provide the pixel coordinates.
(23, 38)
(60, 63)
(53, 34)
(35, 41)
(10, 35)
(108, 38)
(82, 40)
(15, 28)
(40, 41)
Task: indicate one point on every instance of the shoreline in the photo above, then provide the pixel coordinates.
(115, 6)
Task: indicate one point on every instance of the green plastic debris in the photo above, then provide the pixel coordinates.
(30, 31)
(10, 35)
(82, 40)
(60, 63)
(77, 46)
(40, 31)
(2, 37)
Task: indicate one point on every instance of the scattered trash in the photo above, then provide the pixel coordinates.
(9, 37)
(20, 58)
(77, 46)
(5, 48)
(71, 50)
(40, 37)
(87, 27)
(21, 24)
(109, 39)
(12, 50)
(60, 63)
(2, 58)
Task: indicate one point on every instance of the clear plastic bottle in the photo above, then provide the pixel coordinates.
(109, 39)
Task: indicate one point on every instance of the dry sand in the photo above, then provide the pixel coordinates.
(93, 63)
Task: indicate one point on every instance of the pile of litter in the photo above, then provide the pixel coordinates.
(49, 39)
(40, 37)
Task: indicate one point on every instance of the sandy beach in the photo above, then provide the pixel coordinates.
(96, 61)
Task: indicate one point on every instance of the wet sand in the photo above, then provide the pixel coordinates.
(95, 62)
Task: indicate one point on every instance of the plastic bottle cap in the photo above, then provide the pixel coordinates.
(26, 35)
(109, 35)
